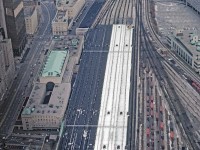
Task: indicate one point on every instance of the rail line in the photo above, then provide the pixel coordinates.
(171, 96)
(132, 123)
(174, 102)
(116, 12)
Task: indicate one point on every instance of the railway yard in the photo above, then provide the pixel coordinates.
(120, 12)
(126, 93)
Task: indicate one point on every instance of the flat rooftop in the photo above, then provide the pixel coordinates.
(185, 41)
(113, 119)
(171, 16)
(68, 3)
(70, 42)
(54, 64)
(28, 11)
(61, 16)
(48, 99)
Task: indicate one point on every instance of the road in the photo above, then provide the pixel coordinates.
(23, 84)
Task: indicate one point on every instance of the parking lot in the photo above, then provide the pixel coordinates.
(171, 16)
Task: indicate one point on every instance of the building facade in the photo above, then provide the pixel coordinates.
(36, 4)
(72, 6)
(60, 23)
(187, 46)
(7, 67)
(7, 71)
(31, 19)
(14, 16)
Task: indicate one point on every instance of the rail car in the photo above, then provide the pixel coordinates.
(151, 105)
(148, 132)
(172, 135)
(161, 125)
(196, 86)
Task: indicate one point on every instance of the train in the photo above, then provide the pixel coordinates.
(194, 84)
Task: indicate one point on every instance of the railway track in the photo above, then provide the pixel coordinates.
(116, 12)
(132, 142)
(168, 89)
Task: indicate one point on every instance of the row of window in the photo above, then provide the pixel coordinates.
(182, 54)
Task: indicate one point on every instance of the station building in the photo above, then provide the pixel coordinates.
(48, 100)
(46, 106)
(186, 45)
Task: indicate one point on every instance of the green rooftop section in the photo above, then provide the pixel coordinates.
(54, 64)
(192, 42)
(74, 42)
(198, 48)
(26, 111)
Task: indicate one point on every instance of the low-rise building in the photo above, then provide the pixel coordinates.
(60, 23)
(46, 106)
(187, 46)
(31, 19)
(72, 6)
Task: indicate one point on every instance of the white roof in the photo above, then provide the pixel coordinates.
(113, 119)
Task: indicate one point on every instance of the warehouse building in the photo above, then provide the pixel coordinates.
(187, 46)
